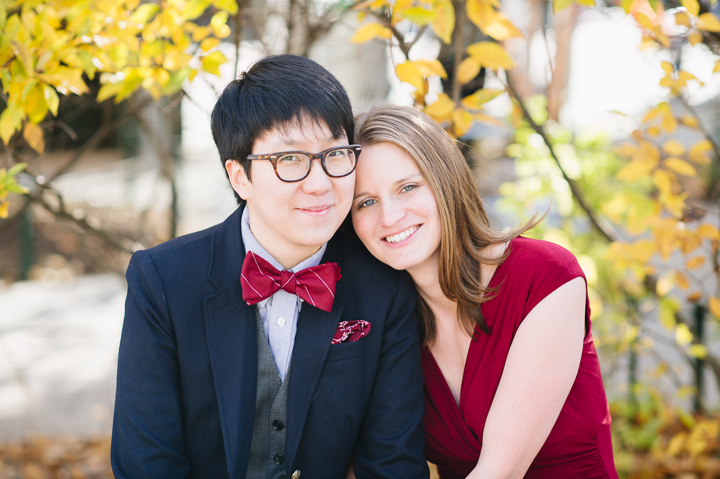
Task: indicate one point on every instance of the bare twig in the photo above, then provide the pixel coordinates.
(602, 226)
(458, 42)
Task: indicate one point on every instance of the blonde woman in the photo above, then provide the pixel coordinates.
(512, 380)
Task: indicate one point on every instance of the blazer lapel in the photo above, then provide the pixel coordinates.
(230, 328)
(315, 330)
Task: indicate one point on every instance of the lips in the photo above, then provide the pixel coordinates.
(403, 235)
(315, 209)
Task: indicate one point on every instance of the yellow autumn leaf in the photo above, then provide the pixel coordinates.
(398, 8)
(200, 33)
(7, 125)
(694, 297)
(107, 90)
(491, 55)
(561, 5)
(468, 70)
(698, 153)
(369, 31)
(683, 336)
(430, 68)
(683, 19)
(212, 62)
(695, 262)
(209, 43)
(684, 77)
(480, 13)
(490, 120)
(708, 22)
(695, 37)
(635, 170)
(708, 231)
(663, 181)
(444, 22)
(442, 109)
(697, 350)
(462, 121)
(673, 148)
(479, 98)
(680, 166)
(34, 136)
(682, 281)
(418, 15)
(714, 305)
(501, 28)
(144, 13)
(410, 73)
(692, 7)
(689, 121)
(194, 9)
(716, 68)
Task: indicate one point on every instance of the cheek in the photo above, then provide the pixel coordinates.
(363, 227)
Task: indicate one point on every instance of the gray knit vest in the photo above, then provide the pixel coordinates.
(267, 453)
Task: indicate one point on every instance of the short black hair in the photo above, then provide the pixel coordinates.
(275, 92)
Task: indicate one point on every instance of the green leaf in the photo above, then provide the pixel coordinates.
(3, 15)
(15, 169)
(52, 100)
(176, 80)
(144, 13)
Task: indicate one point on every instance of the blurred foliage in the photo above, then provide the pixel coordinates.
(41, 458)
(641, 216)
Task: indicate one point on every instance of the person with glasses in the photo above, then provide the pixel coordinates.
(272, 345)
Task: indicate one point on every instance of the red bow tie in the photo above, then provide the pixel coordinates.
(316, 285)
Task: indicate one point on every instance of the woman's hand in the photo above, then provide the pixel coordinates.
(540, 369)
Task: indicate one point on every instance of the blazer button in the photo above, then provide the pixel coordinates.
(277, 425)
(279, 459)
(296, 474)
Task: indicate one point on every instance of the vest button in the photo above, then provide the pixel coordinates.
(277, 425)
(279, 459)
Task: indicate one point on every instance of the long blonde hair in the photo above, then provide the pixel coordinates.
(465, 226)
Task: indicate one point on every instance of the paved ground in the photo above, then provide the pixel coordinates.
(58, 354)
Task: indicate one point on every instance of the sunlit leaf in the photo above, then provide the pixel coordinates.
(698, 153)
(559, 5)
(697, 350)
(680, 166)
(144, 13)
(708, 22)
(689, 121)
(708, 231)
(635, 170)
(479, 98)
(683, 19)
(418, 15)
(7, 125)
(468, 70)
(442, 109)
(667, 310)
(692, 7)
(491, 55)
(107, 90)
(462, 120)
(673, 148)
(662, 181)
(681, 280)
(212, 62)
(444, 22)
(34, 136)
(714, 306)
(683, 336)
(480, 13)
(194, 9)
(695, 37)
(431, 67)
(501, 28)
(209, 43)
(695, 262)
(410, 73)
(369, 31)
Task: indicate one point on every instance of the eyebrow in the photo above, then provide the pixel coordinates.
(398, 182)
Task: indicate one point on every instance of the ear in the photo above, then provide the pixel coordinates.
(238, 178)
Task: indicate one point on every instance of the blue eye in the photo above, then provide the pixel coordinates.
(409, 187)
(366, 203)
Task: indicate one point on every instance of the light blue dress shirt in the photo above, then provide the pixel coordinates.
(280, 311)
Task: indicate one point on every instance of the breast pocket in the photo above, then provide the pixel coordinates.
(345, 351)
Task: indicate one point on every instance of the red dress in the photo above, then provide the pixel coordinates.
(579, 445)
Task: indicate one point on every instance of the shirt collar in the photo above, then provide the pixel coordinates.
(252, 244)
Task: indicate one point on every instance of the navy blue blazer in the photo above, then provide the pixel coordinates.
(187, 368)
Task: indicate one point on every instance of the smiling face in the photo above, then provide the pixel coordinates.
(394, 211)
(293, 220)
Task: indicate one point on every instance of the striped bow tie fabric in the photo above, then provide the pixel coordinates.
(315, 285)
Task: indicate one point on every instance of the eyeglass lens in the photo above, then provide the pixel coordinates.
(338, 162)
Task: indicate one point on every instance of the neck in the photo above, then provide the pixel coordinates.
(427, 282)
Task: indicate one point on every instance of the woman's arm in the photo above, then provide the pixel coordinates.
(540, 369)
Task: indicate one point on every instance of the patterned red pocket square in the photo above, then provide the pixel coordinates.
(349, 331)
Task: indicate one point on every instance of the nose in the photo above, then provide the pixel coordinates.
(390, 213)
(316, 182)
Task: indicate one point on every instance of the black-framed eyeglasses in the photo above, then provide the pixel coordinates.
(293, 166)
